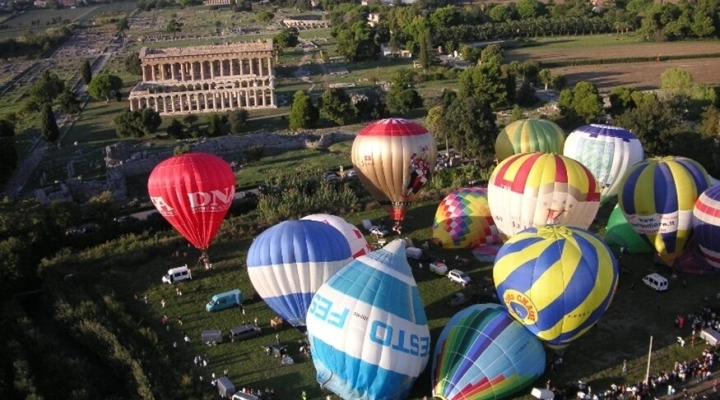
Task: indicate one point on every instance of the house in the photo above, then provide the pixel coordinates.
(373, 19)
(386, 51)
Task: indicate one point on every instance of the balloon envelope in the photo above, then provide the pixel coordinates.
(534, 189)
(358, 244)
(556, 280)
(194, 192)
(368, 329)
(527, 136)
(394, 159)
(607, 151)
(657, 198)
(620, 235)
(483, 354)
(463, 220)
(706, 225)
(289, 262)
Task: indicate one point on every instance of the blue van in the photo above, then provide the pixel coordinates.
(225, 300)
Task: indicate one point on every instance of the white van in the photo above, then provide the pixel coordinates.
(177, 274)
(710, 335)
(211, 336)
(656, 281)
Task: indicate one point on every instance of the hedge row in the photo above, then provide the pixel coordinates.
(625, 60)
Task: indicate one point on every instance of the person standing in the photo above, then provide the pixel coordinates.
(624, 367)
(277, 338)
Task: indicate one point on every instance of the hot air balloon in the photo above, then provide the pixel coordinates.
(535, 189)
(484, 354)
(463, 220)
(194, 192)
(657, 198)
(607, 151)
(706, 225)
(619, 235)
(289, 262)
(358, 244)
(556, 280)
(394, 159)
(527, 136)
(367, 328)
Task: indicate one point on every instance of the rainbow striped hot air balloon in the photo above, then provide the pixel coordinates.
(368, 329)
(484, 354)
(706, 225)
(534, 189)
(607, 151)
(556, 280)
(657, 198)
(463, 220)
(529, 135)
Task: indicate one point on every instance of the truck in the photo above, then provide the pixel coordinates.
(225, 387)
(225, 300)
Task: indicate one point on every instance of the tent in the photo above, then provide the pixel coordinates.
(619, 234)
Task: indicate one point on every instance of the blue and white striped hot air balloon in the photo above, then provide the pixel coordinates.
(607, 151)
(289, 262)
(368, 329)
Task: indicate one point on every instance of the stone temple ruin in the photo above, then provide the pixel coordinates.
(206, 79)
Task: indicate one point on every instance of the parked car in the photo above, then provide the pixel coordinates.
(458, 276)
(244, 332)
(125, 220)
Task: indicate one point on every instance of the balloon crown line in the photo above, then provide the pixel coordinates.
(554, 232)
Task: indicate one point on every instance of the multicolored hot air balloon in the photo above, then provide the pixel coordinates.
(289, 262)
(528, 136)
(534, 189)
(484, 354)
(194, 192)
(706, 225)
(358, 244)
(657, 197)
(368, 329)
(620, 236)
(607, 151)
(394, 159)
(556, 280)
(463, 220)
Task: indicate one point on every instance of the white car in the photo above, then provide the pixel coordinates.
(458, 276)
(378, 231)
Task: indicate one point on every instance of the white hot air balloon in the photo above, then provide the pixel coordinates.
(358, 244)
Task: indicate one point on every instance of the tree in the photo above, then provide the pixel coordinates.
(472, 126)
(122, 25)
(357, 43)
(526, 95)
(86, 72)
(237, 120)
(426, 56)
(288, 37)
(335, 105)
(48, 125)
(8, 153)
(176, 130)
(621, 99)
(546, 77)
(137, 123)
(265, 16)
(677, 80)
(104, 86)
(150, 120)
(488, 82)
(370, 106)
(173, 26)
(47, 88)
(653, 123)
(68, 103)
(303, 113)
(437, 124)
(582, 104)
(401, 99)
(132, 64)
(490, 52)
(710, 126)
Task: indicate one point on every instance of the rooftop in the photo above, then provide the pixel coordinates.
(241, 47)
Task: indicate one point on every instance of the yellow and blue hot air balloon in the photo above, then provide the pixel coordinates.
(657, 198)
(463, 220)
(534, 189)
(706, 225)
(556, 280)
(484, 354)
(527, 136)
(608, 152)
(368, 329)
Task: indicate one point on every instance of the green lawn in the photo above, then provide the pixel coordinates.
(297, 162)
(623, 333)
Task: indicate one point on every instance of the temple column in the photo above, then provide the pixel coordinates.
(212, 69)
(144, 73)
(192, 70)
(247, 99)
(205, 100)
(162, 72)
(222, 68)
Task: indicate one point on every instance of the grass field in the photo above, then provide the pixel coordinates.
(623, 333)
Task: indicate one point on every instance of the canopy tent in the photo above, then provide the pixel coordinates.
(620, 234)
